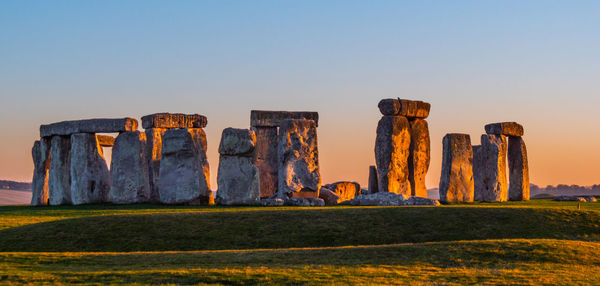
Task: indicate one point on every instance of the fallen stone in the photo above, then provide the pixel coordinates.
(174, 120)
(505, 128)
(153, 155)
(102, 125)
(456, 182)
(129, 169)
(404, 107)
(373, 186)
(183, 176)
(417, 201)
(238, 142)
(345, 190)
(391, 155)
(263, 118)
(492, 169)
(419, 157)
(59, 174)
(238, 181)
(272, 202)
(378, 199)
(329, 197)
(265, 154)
(41, 161)
(106, 141)
(518, 167)
(298, 159)
(305, 202)
(90, 177)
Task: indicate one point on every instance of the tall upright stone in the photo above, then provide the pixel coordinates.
(419, 157)
(492, 169)
(373, 184)
(518, 169)
(392, 148)
(184, 169)
(266, 160)
(152, 156)
(129, 169)
(299, 174)
(456, 182)
(41, 161)
(59, 181)
(90, 177)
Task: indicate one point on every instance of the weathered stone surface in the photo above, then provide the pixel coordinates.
(238, 181)
(105, 141)
(417, 201)
(183, 175)
(329, 197)
(404, 107)
(272, 202)
(129, 169)
(174, 120)
(373, 185)
(456, 182)
(263, 118)
(298, 159)
(345, 190)
(90, 178)
(391, 155)
(59, 180)
(518, 167)
(378, 199)
(505, 128)
(305, 202)
(419, 157)
(101, 125)
(238, 142)
(265, 154)
(491, 169)
(153, 155)
(41, 161)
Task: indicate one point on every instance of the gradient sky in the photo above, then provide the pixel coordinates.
(476, 62)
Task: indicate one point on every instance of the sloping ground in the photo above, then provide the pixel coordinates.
(11, 197)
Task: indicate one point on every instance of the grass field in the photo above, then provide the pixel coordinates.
(537, 242)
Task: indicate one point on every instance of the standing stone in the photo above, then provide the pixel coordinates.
(373, 186)
(105, 141)
(183, 175)
(59, 181)
(345, 190)
(90, 178)
(41, 161)
(518, 170)
(456, 182)
(418, 160)
(492, 169)
(237, 177)
(152, 156)
(266, 160)
(391, 155)
(129, 169)
(298, 155)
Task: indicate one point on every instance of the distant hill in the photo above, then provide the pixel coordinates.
(12, 185)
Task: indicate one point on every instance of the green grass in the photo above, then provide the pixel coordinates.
(535, 242)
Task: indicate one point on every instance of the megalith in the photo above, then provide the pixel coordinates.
(152, 155)
(456, 181)
(59, 181)
(129, 169)
(90, 177)
(505, 128)
(299, 174)
(237, 177)
(518, 169)
(184, 169)
(100, 125)
(373, 185)
(345, 190)
(392, 148)
(491, 169)
(419, 156)
(41, 162)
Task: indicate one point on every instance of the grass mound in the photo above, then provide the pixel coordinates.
(259, 228)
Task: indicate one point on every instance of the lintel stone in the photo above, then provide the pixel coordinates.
(99, 125)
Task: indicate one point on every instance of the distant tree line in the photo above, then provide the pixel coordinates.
(566, 188)
(12, 185)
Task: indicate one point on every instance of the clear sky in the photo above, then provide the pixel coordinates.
(476, 62)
